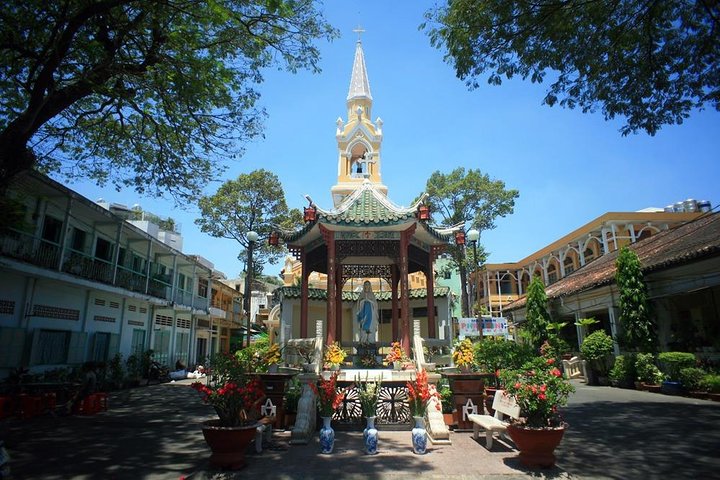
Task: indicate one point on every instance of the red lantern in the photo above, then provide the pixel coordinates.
(459, 237)
(274, 239)
(424, 212)
(309, 214)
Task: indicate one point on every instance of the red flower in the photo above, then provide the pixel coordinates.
(542, 396)
(555, 372)
(550, 361)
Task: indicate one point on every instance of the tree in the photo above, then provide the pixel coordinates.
(255, 201)
(650, 62)
(638, 329)
(149, 94)
(537, 318)
(474, 200)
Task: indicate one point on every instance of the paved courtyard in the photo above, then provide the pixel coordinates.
(152, 433)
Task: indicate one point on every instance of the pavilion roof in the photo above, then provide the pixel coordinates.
(369, 207)
(384, 296)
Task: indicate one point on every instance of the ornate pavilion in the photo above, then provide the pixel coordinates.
(364, 236)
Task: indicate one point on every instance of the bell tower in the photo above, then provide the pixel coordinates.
(358, 138)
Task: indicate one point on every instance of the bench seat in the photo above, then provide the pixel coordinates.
(503, 404)
(489, 424)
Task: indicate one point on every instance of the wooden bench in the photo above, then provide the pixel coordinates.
(503, 405)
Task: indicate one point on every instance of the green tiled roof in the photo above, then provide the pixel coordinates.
(384, 296)
(367, 209)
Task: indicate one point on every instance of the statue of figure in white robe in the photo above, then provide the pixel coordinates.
(366, 314)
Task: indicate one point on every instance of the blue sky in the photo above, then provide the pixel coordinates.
(569, 167)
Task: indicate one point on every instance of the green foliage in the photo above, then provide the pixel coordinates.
(150, 95)
(647, 371)
(692, 378)
(596, 348)
(623, 372)
(368, 394)
(255, 201)
(116, 370)
(638, 329)
(711, 383)
(446, 398)
(494, 353)
(540, 389)
(470, 198)
(537, 317)
(293, 390)
(649, 62)
(252, 358)
(672, 362)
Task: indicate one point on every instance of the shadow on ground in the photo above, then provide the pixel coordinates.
(643, 440)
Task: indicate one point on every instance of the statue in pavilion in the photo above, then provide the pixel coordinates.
(366, 314)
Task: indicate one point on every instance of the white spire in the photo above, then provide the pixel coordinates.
(359, 84)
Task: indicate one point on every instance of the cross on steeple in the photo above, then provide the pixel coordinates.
(359, 30)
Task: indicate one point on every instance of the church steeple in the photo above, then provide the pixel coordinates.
(358, 138)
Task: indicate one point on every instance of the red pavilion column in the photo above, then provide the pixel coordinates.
(338, 304)
(405, 289)
(331, 318)
(394, 303)
(430, 275)
(304, 293)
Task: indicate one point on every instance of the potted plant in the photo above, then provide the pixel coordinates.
(540, 389)
(463, 355)
(328, 400)
(292, 397)
(692, 379)
(236, 396)
(272, 357)
(334, 356)
(623, 372)
(307, 353)
(596, 349)
(419, 394)
(395, 356)
(648, 374)
(447, 403)
(672, 363)
(711, 384)
(368, 394)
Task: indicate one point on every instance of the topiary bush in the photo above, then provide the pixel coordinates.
(623, 372)
(692, 378)
(711, 383)
(672, 362)
(596, 348)
(646, 370)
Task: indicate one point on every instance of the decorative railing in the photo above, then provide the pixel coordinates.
(392, 406)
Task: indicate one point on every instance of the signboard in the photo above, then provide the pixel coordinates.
(494, 326)
(491, 326)
(468, 327)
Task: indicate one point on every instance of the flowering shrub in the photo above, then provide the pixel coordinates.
(328, 397)
(420, 393)
(235, 396)
(463, 355)
(334, 355)
(540, 389)
(272, 354)
(396, 354)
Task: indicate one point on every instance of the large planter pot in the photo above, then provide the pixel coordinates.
(671, 388)
(536, 446)
(228, 444)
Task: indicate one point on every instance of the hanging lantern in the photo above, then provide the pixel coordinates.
(424, 213)
(309, 214)
(459, 237)
(274, 239)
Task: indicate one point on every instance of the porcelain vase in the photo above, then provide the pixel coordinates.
(370, 437)
(327, 436)
(419, 436)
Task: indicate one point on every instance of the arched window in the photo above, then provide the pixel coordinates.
(552, 273)
(569, 264)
